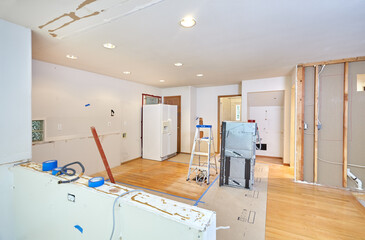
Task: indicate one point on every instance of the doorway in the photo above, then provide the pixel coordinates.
(176, 100)
(229, 109)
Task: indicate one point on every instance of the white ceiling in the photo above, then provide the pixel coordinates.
(232, 41)
(261, 99)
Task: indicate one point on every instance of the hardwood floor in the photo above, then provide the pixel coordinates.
(294, 210)
(270, 160)
(168, 177)
(303, 211)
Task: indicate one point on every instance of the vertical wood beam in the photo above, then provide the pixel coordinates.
(102, 154)
(345, 122)
(300, 124)
(315, 147)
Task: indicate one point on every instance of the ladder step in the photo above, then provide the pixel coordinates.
(201, 154)
(199, 167)
(203, 139)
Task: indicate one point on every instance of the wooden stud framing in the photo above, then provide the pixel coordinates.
(315, 141)
(300, 116)
(300, 124)
(345, 122)
(355, 59)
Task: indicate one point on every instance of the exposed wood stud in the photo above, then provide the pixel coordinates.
(345, 122)
(315, 142)
(300, 124)
(355, 59)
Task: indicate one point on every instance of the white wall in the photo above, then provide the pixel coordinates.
(207, 104)
(188, 113)
(15, 107)
(60, 95)
(270, 122)
(271, 84)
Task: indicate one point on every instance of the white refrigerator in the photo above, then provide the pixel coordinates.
(159, 139)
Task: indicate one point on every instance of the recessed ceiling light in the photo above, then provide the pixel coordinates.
(109, 45)
(188, 22)
(126, 73)
(200, 75)
(162, 80)
(73, 57)
(178, 64)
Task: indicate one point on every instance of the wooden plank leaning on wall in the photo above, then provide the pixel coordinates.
(345, 122)
(315, 141)
(300, 124)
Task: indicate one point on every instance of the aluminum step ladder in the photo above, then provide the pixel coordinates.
(203, 169)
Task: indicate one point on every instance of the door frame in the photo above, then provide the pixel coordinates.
(178, 149)
(218, 118)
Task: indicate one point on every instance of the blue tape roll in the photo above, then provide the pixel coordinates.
(56, 170)
(96, 181)
(49, 165)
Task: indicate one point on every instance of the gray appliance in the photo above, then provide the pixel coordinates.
(238, 154)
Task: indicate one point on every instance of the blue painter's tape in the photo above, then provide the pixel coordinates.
(198, 201)
(79, 228)
(49, 165)
(96, 182)
(86, 105)
(57, 170)
(204, 126)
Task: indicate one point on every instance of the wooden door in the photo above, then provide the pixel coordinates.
(176, 100)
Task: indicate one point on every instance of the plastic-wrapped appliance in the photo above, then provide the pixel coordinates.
(238, 154)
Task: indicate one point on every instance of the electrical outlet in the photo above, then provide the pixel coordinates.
(71, 197)
(124, 135)
(59, 126)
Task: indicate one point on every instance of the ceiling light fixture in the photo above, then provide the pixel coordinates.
(126, 73)
(109, 45)
(200, 75)
(187, 22)
(73, 57)
(162, 80)
(178, 64)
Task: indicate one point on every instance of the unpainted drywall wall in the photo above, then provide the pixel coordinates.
(72, 100)
(309, 121)
(15, 108)
(330, 136)
(356, 130)
(331, 116)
